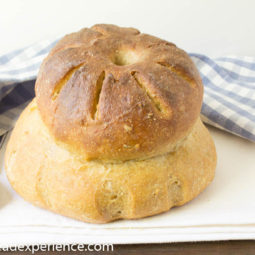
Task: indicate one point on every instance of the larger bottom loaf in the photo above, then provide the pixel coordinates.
(47, 175)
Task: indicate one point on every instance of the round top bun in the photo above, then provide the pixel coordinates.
(114, 94)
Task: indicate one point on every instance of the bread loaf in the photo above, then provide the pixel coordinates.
(104, 91)
(114, 131)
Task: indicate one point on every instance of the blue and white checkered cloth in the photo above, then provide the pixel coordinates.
(229, 94)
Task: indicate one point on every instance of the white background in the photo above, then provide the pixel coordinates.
(210, 27)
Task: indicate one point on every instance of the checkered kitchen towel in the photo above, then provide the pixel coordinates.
(229, 94)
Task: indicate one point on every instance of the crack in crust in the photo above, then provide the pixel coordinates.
(99, 30)
(155, 101)
(99, 86)
(161, 44)
(110, 29)
(179, 72)
(66, 47)
(59, 86)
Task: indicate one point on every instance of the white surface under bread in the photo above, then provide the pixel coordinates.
(225, 210)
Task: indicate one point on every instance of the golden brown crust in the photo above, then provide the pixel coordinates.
(104, 91)
(52, 177)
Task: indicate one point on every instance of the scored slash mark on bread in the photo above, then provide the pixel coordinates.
(64, 81)
(179, 72)
(99, 86)
(153, 98)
